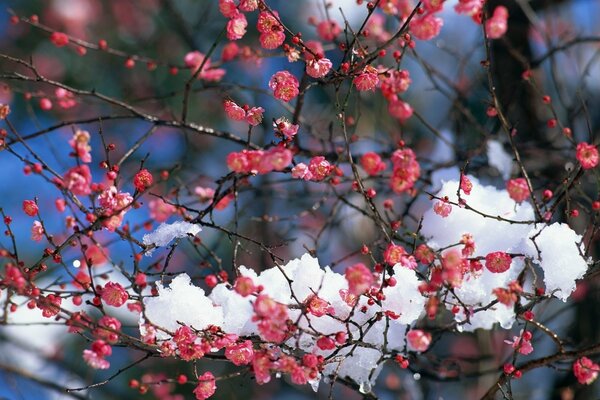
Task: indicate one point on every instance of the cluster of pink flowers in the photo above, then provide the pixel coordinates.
(194, 60)
(284, 85)
(427, 25)
(395, 254)
(522, 343)
(367, 79)
(252, 115)
(78, 180)
(80, 142)
(65, 98)
(317, 169)
(272, 319)
(114, 205)
(95, 357)
(406, 170)
(271, 31)
(259, 161)
(236, 27)
(274, 360)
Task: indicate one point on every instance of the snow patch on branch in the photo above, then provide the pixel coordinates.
(165, 233)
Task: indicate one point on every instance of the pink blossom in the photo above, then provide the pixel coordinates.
(418, 340)
(80, 142)
(393, 254)
(328, 30)
(469, 7)
(94, 360)
(205, 193)
(372, 163)
(230, 51)
(517, 189)
(465, 184)
(521, 343)
(240, 353)
(30, 208)
(109, 334)
(78, 180)
(442, 208)
(50, 305)
(426, 27)
(271, 318)
(234, 111)
(587, 155)
(317, 306)
(244, 286)
(585, 370)
(301, 171)
(114, 294)
(367, 79)
(37, 231)
(285, 127)
(278, 158)
(325, 343)
(395, 83)
(318, 68)
(142, 180)
(498, 261)
(319, 168)
(194, 60)
(237, 162)
(359, 278)
(254, 116)
(315, 47)
(497, 25)
(66, 99)
(228, 8)
(206, 386)
(400, 110)
(271, 40)
(160, 211)
(284, 85)
(236, 27)
(248, 5)
(261, 366)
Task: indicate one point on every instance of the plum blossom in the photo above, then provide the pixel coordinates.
(497, 25)
(587, 155)
(284, 85)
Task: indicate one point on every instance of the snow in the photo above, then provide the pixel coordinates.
(499, 158)
(165, 233)
(559, 258)
(181, 303)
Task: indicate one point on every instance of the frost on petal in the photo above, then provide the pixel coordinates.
(499, 158)
(181, 302)
(165, 233)
(559, 258)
